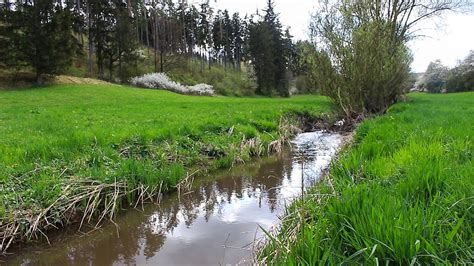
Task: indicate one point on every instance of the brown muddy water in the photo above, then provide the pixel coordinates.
(215, 223)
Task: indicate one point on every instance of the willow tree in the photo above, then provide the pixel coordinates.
(363, 59)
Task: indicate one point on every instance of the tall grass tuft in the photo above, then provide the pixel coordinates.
(401, 193)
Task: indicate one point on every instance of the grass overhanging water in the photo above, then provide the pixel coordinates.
(76, 153)
(402, 192)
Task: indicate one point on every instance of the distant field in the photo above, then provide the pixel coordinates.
(402, 194)
(117, 134)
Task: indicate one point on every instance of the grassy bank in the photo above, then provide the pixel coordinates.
(402, 193)
(78, 152)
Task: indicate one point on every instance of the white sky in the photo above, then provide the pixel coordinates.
(450, 39)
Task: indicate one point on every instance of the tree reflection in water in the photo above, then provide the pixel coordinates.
(193, 228)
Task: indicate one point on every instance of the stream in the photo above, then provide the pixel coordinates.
(216, 222)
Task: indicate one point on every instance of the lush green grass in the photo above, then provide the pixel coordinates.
(402, 193)
(111, 134)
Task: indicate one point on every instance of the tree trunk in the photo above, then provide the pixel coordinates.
(129, 6)
(162, 67)
(111, 68)
(202, 60)
(89, 34)
(239, 59)
(81, 33)
(120, 65)
(155, 40)
(225, 61)
(39, 78)
(146, 29)
(100, 63)
(139, 33)
(209, 58)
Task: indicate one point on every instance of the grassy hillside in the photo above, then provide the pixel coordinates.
(226, 81)
(70, 150)
(402, 193)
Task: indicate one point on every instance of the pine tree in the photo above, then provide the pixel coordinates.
(238, 39)
(40, 34)
(124, 41)
(279, 49)
(228, 38)
(169, 38)
(260, 46)
(101, 30)
(204, 32)
(268, 51)
(218, 34)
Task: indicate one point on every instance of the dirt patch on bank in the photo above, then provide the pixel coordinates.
(328, 122)
(24, 80)
(62, 79)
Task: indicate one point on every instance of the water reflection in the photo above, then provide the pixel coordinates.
(216, 222)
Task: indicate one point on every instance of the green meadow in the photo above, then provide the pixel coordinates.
(69, 150)
(401, 193)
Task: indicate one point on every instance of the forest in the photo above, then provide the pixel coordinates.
(114, 39)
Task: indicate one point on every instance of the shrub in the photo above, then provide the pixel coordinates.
(364, 72)
(303, 84)
(162, 81)
(202, 87)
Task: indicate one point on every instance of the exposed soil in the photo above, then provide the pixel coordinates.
(328, 123)
(27, 80)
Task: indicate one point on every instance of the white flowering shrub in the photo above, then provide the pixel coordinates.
(202, 89)
(162, 81)
(156, 81)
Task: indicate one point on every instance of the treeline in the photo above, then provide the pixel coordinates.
(46, 35)
(439, 78)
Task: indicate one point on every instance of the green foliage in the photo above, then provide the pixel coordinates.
(362, 49)
(461, 78)
(362, 65)
(269, 50)
(112, 34)
(39, 35)
(434, 78)
(227, 82)
(120, 34)
(401, 193)
(303, 65)
(304, 85)
(300, 57)
(438, 78)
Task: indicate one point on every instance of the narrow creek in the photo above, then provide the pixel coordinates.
(214, 223)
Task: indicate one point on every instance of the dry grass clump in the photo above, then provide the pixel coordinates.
(82, 201)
